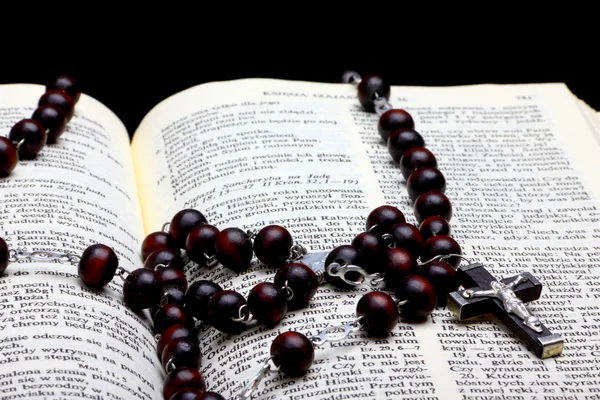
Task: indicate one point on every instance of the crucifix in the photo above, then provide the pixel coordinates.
(505, 299)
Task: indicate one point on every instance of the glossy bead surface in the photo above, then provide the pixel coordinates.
(350, 76)
(373, 248)
(401, 140)
(420, 294)
(441, 245)
(197, 297)
(8, 156)
(183, 352)
(172, 277)
(175, 332)
(443, 278)
(66, 84)
(432, 204)
(142, 289)
(382, 219)
(434, 226)
(302, 280)
(182, 378)
(399, 264)
(195, 394)
(182, 224)
(34, 135)
(167, 257)
(53, 119)
(4, 255)
(222, 308)
(380, 313)
(173, 295)
(367, 88)
(97, 266)
(408, 237)
(61, 100)
(268, 303)
(415, 158)
(169, 315)
(425, 179)
(272, 245)
(293, 353)
(156, 241)
(344, 254)
(392, 120)
(200, 243)
(234, 249)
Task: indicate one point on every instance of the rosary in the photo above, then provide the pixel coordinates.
(385, 258)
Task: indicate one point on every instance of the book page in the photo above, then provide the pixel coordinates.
(59, 339)
(519, 163)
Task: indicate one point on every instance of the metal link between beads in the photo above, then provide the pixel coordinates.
(297, 252)
(444, 257)
(245, 319)
(376, 280)
(16, 255)
(122, 273)
(337, 332)
(265, 370)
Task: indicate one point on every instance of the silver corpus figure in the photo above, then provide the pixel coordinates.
(512, 304)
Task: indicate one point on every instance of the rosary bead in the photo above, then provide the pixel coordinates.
(172, 277)
(302, 280)
(182, 378)
(168, 257)
(53, 119)
(402, 140)
(33, 135)
(392, 120)
(268, 303)
(350, 76)
(223, 307)
(368, 87)
(425, 179)
(443, 278)
(8, 156)
(434, 226)
(234, 249)
(373, 248)
(414, 159)
(97, 266)
(380, 312)
(399, 263)
(157, 240)
(432, 204)
(441, 245)
(66, 84)
(169, 315)
(182, 224)
(3, 255)
(142, 289)
(344, 255)
(382, 219)
(61, 100)
(182, 352)
(197, 297)
(173, 295)
(200, 243)
(420, 294)
(173, 333)
(195, 394)
(272, 245)
(293, 353)
(406, 236)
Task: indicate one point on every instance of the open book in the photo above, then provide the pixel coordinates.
(521, 166)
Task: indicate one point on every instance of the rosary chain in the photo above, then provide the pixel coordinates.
(16, 255)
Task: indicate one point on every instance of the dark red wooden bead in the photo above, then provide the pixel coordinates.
(302, 280)
(407, 236)
(293, 353)
(234, 249)
(268, 303)
(169, 315)
(53, 119)
(167, 257)
(182, 352)
(431, 204)
(97, 266)
(195, 394)
(142, 289)
(399, 264)
(415, 158)
(200, 243)
(8, 156)
(34, 135)
(171, 295)
(197, 297)
(401, 140)
(222, 308)
(172, 277)
(182, 224)
(173, 333)
(182, 378)
(61, 100)
(420, 294)
(392, 120)
(66, 84)
(344, 255)
(373, 248)
(425, 179)
(441, 245)
(272, 245)
(443, 278)
(4, 255)
(368, 87)
(382, 219)
(157, 240)
(434, 226)
(380, 312)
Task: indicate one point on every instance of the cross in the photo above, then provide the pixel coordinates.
(506, 300)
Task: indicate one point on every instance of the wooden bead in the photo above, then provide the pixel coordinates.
(420, 294)
(4, 255)
(200, 243)
(415, 158)
(183, 352)
(302, 280)
(53, 119)
(441, 245)
(407, 236)
(195, 394)
(424, 180)
(142, 289)
(8, 156)
(368, 87)
(61, 100)
(443, 278)
(234, 249)
(157, 240)
(182, 224)
(399, 264)
(197, 297)
(293, 353)
(379, 311)
(175, 332)
(33, 135)
(169, 315)
(268, 303)
(272, 245)
(343, 255)
(392, 120)
(382, 219)
(431, 204)
(172, 277)
(402, 140)
(171, 295)
(373, 248)
(66, 84)
(183, 378)
(97, 266)
(434, 226)
(168, 257)
(222, 308)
